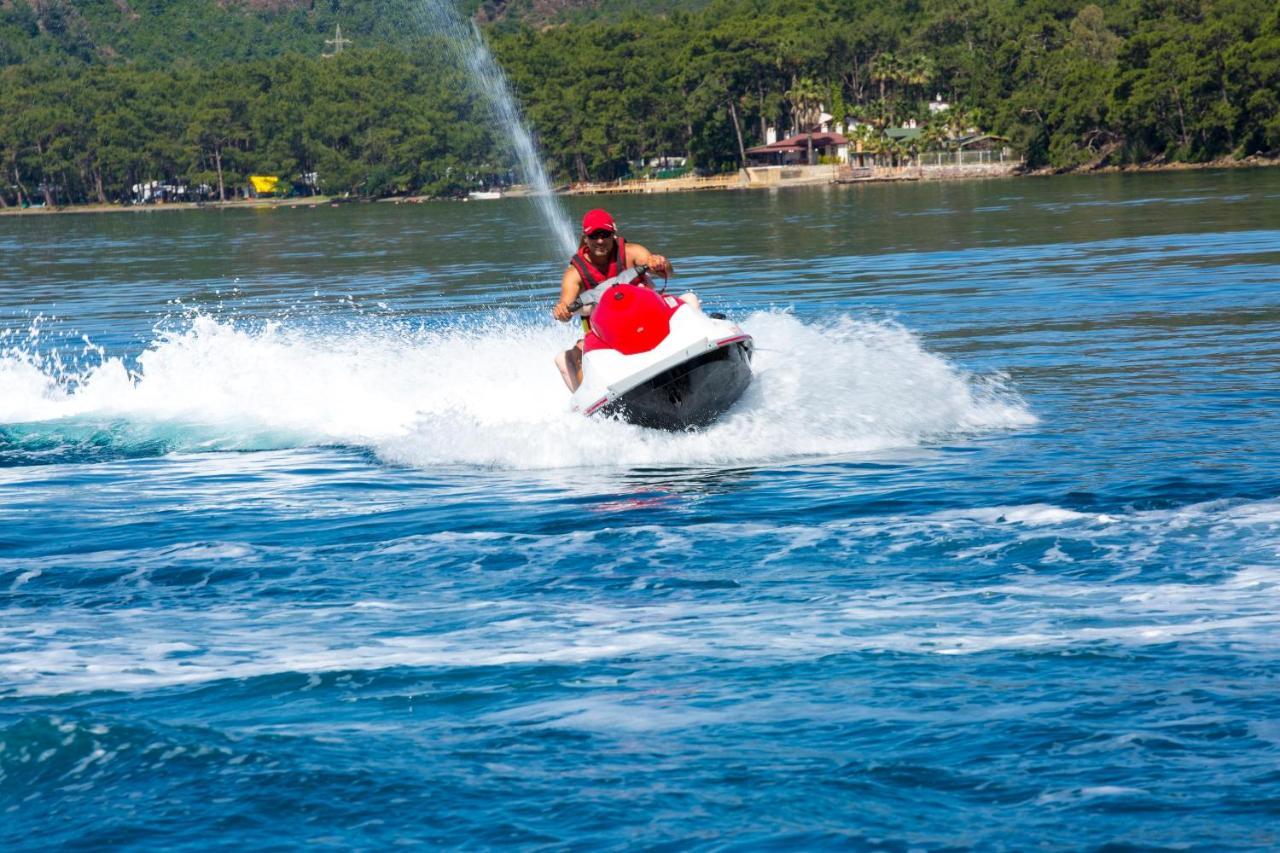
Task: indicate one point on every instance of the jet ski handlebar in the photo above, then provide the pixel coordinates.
(592, 296)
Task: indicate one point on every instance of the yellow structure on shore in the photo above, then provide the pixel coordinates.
(263, 184)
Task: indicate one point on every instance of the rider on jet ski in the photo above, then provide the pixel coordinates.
(602, 254)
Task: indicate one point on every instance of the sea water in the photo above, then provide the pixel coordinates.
(300, 544)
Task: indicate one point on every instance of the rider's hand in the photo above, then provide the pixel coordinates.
(561, 312)
(659, 265)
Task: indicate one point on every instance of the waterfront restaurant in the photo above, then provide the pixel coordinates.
(794, 150)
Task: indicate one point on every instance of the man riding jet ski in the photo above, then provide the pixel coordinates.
(651, 359)
(601, 255)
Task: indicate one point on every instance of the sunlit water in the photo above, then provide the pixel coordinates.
(300, 544)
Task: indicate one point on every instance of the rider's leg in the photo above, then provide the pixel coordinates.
(569, 363)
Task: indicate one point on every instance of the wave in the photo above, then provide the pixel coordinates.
(477, 391)
(1026, 580)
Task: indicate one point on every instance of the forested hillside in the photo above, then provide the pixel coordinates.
(99, 95)
(158, 32)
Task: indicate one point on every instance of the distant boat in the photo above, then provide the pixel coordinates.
(480, 195)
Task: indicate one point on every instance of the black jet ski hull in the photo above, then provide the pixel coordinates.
(691, 394)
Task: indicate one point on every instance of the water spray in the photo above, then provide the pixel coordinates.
(467, 44)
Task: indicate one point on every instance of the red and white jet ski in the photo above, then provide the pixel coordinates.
(655, 361)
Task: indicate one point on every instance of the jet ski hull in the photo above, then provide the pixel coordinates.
(691, 394)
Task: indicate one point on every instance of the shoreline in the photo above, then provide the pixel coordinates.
(1252, 162)
(120, 207)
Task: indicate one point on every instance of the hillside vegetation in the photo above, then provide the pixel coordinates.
(99, 95)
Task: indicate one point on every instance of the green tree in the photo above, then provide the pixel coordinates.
(805, 97)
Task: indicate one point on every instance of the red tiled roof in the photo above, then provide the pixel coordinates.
(799, 142)
(775, 148)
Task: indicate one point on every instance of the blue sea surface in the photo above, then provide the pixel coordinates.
(301, 546)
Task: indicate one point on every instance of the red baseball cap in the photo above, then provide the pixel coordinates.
(597, 219)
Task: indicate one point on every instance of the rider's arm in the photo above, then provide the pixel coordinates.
(570, 287)
(659, 265)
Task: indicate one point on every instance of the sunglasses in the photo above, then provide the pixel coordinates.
(600, 235)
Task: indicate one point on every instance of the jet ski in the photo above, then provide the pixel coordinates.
(656, 361)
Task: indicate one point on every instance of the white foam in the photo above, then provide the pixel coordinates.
(485, 393)
(1261, 512)
(24, 387)
(138, 649)
(1089, 793)
(1032, 515)
(590, 712)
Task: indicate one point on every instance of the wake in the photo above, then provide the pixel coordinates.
(480, 391)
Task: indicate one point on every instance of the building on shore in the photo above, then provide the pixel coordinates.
(824, 155)
(827, 146)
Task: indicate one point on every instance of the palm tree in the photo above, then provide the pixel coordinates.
(884, 69)
(897, 149)
(887, 68)
(805, 97)
(918, 70)
(936, 134)
(960, 121)
(870, 140)
(877, 113)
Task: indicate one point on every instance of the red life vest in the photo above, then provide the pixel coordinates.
(587, 271)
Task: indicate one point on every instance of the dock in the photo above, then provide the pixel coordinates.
(765, 177)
